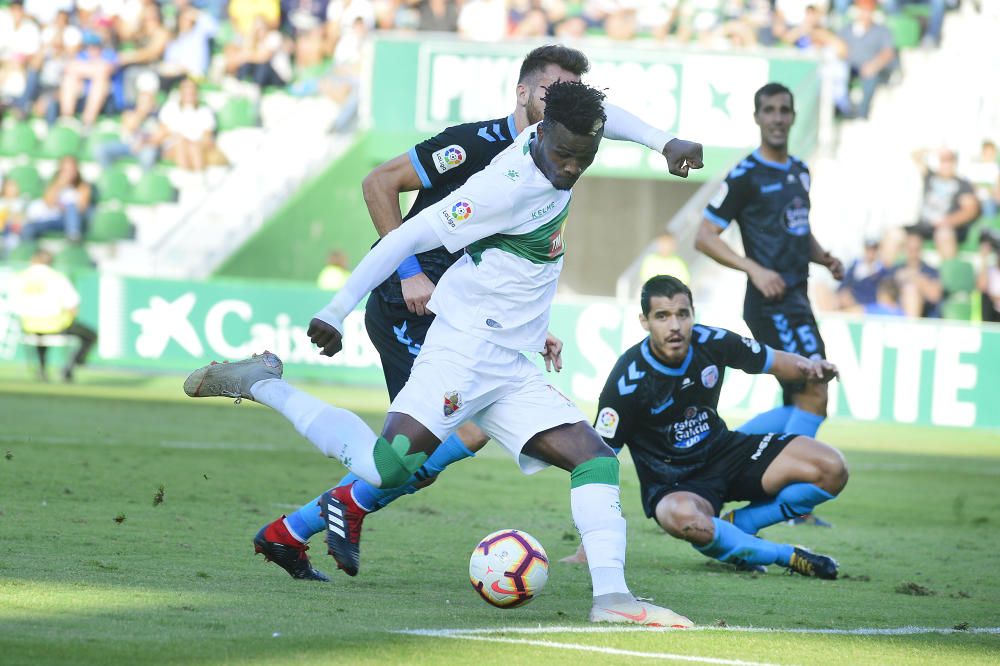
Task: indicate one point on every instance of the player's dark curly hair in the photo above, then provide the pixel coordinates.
(553, 54)
(662, 285)
(576, 106)
(769, 90)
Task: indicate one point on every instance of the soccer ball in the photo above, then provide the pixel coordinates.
(508, 568)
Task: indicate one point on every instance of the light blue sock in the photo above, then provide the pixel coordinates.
(795, 499)
(773, 420)
(307, 521)
(371, 498)
(801, 422)
(737, 547)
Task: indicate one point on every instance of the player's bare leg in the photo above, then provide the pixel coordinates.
(595, 502)
(690, 517)
(806, 473)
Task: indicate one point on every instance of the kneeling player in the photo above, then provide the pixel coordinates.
(661, 398)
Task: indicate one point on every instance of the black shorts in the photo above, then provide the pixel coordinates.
(926, 231)
(733, 472)
(795, 332)
(397, 335)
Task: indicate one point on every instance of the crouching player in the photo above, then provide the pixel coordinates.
(661, 398)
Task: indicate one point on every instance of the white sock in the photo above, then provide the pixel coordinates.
(336, 432)
(598, 517)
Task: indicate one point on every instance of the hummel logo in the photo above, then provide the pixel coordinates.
(686, 383)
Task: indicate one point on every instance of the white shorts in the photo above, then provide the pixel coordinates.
(458, 377)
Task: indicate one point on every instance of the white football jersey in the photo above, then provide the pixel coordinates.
(510, 220)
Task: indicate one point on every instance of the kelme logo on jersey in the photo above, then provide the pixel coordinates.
(710, 376)
(457, 213)
(607, 423)
(448, 157)
(695, 427)
(452, 402)
(796, 217)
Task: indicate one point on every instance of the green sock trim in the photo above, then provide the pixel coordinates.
(395, 466)
(595, 470)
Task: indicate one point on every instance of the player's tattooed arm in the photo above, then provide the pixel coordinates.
(382, 187)
(793, 368)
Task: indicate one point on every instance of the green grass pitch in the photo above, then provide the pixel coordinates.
(98, 566)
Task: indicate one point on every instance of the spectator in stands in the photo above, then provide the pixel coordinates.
(862, 278)
(65, 206)
(949, 205)
(12, 208)
(190, 52)
(89, 77)
(663, 260)
(139, 66)
(20, 55)
(886, 301)
(343, 83)
(261, 57)
(334, 275)
(438, 16)
(871, 55)
(140, 136)
(984, 173)
(988, 278)
(47, 304)
(935, 19)
(483, 20)
(61, 42)
(188, 130)
(244, 13)
(920, 289)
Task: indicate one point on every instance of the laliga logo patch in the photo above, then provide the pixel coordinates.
(710, 376)
(461, 211)
(452, 402)
(448, 158)
(458, 213)
(607, 422)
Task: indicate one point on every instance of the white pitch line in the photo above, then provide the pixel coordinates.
(862, 631)
(662, 656)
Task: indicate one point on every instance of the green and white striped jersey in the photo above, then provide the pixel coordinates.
(510, 220)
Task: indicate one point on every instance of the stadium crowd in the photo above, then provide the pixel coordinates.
(114, 83)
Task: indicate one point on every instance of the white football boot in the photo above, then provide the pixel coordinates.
(233, 380)
(618, 608)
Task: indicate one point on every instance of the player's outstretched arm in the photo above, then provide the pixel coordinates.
(709, 241)
(681, 155)
(326, 328)
(381, 188)
(793, 368)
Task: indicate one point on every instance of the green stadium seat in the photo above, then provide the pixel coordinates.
(957, 307)
(153, 188)
(89, 152)
(72, 259)
(18, 140)
(113, 185)
(27, 179)
(109, 224)
(957, 276)
(237, 112)
(905, 30)
(22, 253)
(62, 140)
